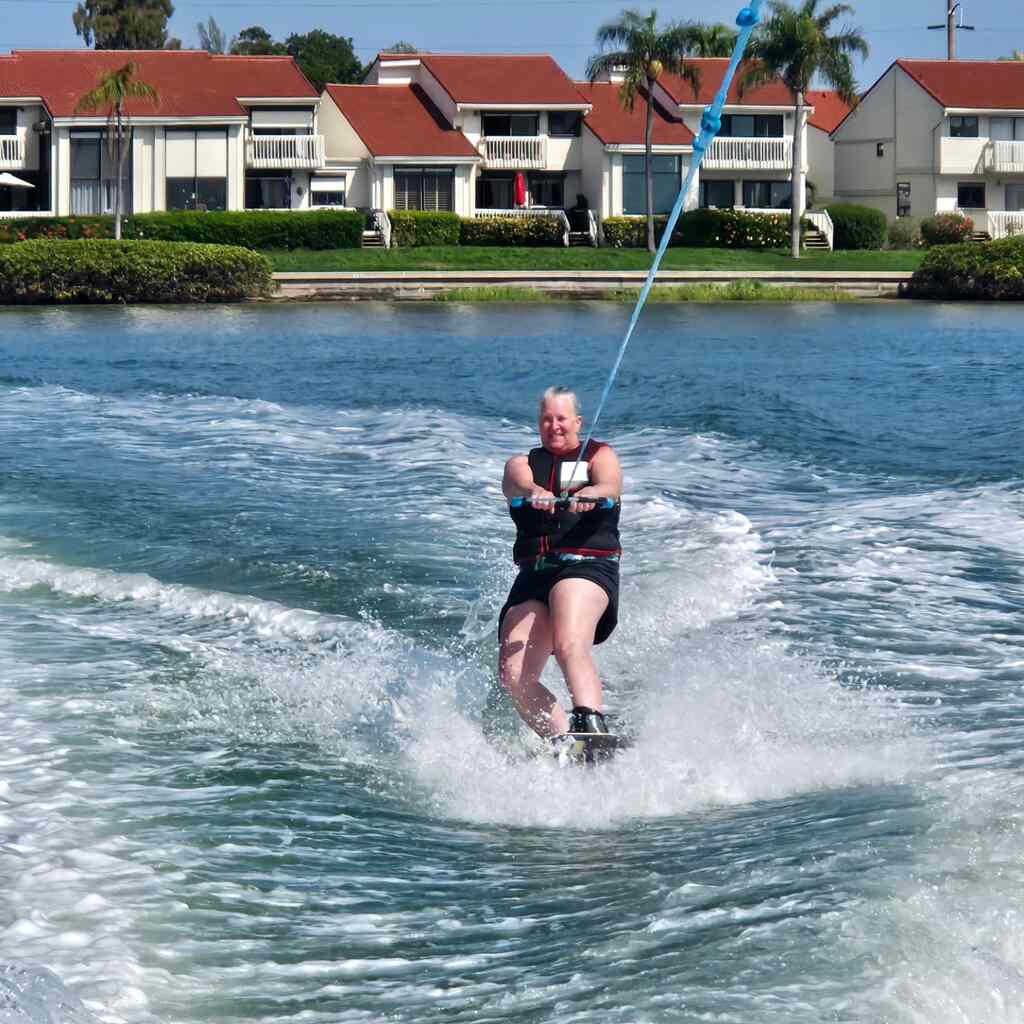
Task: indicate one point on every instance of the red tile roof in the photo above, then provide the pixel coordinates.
(399, 120)
(829, 109)
(498, 78)
(191, 83)
(970, 84)
(614, 125)
(712, 72)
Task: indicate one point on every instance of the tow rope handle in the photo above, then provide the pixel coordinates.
(604, 503)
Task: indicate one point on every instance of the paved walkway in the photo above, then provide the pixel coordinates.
(425, 284)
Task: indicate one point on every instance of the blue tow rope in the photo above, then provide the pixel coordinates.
(710, 123)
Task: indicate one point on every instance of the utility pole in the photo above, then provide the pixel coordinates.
(951, 27)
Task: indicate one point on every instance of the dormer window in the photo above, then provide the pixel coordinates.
(963, 127)
(751, 126)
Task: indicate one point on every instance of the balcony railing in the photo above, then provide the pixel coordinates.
(515, 152)
(1003, 223)
(12, 152)
(1005, 157)
(737, 154)
(285, 151)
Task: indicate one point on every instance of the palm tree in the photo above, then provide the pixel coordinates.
(716, 41)
(1017, 55)
(112, 90)
(642, 52)
(795, 45)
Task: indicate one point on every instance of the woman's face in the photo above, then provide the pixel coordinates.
(559, 425)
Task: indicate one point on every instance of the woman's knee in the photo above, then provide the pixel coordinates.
(569, 645)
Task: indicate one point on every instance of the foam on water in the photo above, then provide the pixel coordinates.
(786, 634)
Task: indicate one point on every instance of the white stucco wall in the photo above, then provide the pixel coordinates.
(821, 162)
(594, 176)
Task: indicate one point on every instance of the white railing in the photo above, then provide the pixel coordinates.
(592, 227)
(12, 152)
(823, 222)
(515, 151)
(1003, 223)
(530, 211)
(382, 224)
(285, 151)
(750, 154)
(1005, 157)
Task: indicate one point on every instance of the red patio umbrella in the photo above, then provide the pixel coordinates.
(520, 189)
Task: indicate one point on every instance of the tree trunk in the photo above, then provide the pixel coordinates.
(120, 177)
(797, 178)
(648, 170)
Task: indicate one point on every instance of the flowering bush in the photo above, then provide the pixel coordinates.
(946, 229)
(726, 229)
(971, 270)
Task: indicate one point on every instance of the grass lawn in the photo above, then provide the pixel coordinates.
(458, 257)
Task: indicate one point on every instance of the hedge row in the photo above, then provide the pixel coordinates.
(422, 227)
(512, 231)
(971, 270)
(729, 229)
(104, 271)
(857, 227)
(252, 229)
(411, 228)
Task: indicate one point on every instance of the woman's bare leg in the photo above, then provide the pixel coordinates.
(576, 606)
(525, 648)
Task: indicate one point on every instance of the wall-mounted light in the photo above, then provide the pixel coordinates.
(299, 190)
(879, 149)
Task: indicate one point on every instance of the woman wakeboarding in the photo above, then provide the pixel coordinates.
(565, 504)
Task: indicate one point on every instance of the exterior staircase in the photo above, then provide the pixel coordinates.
(372, 240)
(814, 239)
(980, 236)
(579, 238)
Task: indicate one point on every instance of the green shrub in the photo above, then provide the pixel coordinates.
(423, 227)
(857, 227)
(725, 229)
(971, 270)
(904, 233)
(253, 229)
(513, 231)
(44, 271)
(946, 229)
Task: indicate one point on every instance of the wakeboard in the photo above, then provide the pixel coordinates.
(587, 748)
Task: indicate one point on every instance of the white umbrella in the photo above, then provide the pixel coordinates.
(11, 181)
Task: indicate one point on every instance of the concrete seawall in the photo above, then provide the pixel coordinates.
(573, 284)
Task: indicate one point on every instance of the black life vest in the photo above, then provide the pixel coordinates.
(538, 532)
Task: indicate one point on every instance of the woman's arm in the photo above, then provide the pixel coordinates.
(605, 476)
(518, 482)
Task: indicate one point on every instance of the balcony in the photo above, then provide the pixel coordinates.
(1005, 157)
(958, 155)
(12, 153)
(740, 154)
(263, 151)
(515, 152)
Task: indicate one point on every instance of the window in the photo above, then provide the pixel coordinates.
(970, 195)
(766, 195)
(719, 194)
(268, 191)
(1006, 129)
(752, 126)
(963, 127)
(425, 188)
(324, 191)
(667, 182)
(327, 198)
(903, 199)
(511, 124)
(94, 174)
(564, 123)
(9, 121)
(1015, 198)
(494, 191)
(546, 189)
(197, 168)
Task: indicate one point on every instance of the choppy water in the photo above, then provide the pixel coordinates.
(250, 562)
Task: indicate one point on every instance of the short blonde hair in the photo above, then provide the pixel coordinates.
(557, 391)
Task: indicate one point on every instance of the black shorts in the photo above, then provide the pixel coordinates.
(536, 584)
